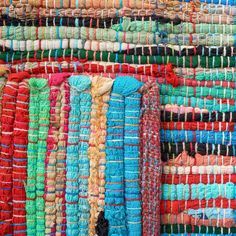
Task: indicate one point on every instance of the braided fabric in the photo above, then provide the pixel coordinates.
(141, 37)
(115, 47)
(142, 72)
(125, 48)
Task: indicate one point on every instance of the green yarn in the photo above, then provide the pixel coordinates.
(185, 61)
(34, 33)
(228, 76)
(169, 28)
(203, 28)
(188, 91)
(147, 35)
(39, 107)
(138, 26)
(127, 25)
(202, 103)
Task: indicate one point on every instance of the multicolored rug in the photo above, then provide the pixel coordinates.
(117, 117)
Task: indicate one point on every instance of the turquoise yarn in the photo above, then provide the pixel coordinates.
(124, 105)
(211, 105)
(214, 213)
(131, 159)
(84, 163)
(198, 191)
(200, 136)
(114, 194)
(76, 209)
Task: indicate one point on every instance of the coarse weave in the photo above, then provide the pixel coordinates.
(117, 117)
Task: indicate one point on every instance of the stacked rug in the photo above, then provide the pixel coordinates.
(82, 86)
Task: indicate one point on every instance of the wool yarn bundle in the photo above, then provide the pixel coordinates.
(117, 117)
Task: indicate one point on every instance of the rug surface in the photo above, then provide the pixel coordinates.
(117, 117)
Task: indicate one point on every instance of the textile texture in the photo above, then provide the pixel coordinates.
(117, 117)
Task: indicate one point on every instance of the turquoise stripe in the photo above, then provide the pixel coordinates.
(123, 112)
(78, 85)
(84, 163)
(198, 191)
(214, 213)
(114, 194)
(211, 105)
(200, 136)
(131, 167)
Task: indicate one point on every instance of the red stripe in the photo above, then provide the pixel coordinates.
(214, 126)
(175, 207)
(196, 179)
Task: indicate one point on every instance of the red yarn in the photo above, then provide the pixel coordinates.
(18, 77)
(165, 71)
(170, 76)
(175, 207)
(14, 120)
(198, 178)
(20, 157)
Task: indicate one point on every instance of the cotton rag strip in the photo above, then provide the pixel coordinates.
(77, 162)
(100, 91)
(123, 196)
(12, 188)
(39, 113)
(56, 156)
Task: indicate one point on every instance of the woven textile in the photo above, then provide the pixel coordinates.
(117, 117)
(150, 159)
